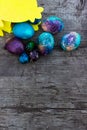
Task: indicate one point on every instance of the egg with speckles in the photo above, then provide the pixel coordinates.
(24, 58)
(70, 41)
(29, 46)
(34, 55)
(45, 43)
(52, 24)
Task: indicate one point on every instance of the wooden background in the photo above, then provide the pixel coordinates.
(50, 94)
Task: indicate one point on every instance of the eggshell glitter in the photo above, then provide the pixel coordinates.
(52, 24)
(23, 30)
(24, 58)
(14, 46)
(70, 41)
(45, 43)
(29, 47)
(34, 55)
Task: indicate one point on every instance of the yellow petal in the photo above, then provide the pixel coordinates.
(1, 23)
(1, 33)
(36, 28)
(19, 10)
(7, 26)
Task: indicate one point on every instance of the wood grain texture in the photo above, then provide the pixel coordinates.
(50, 94)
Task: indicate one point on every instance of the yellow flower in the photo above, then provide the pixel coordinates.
(14, 11)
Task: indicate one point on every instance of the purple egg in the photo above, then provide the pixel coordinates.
(14, 46)
(34, 55)
(52, 24)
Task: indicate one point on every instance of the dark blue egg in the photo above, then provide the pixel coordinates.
(24, 58)
(23, 30)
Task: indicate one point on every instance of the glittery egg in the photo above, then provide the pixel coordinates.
(34, 55)
(45, 43)
(14, 46)
(23, 30)
(52, 24)
(70, 41)
(29, 46)
(24, 58)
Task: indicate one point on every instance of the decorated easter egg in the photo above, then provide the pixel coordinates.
(14, 46)
(29, 46)
(45, 43)
(34, 55)
(70, 41)
(52, 24)
(24, 58)
(23, 30)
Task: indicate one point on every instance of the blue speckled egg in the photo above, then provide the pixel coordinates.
(24, 58)
(23, 30)
(52, 24)
(45, 43)
(70, 41)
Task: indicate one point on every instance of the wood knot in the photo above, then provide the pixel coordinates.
(81, 4)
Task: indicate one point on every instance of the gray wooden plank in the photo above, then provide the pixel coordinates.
(49, 119)
(44, 92)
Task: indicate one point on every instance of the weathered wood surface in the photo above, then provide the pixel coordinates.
(50, 94)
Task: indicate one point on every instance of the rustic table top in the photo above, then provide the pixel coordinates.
(50, 94)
